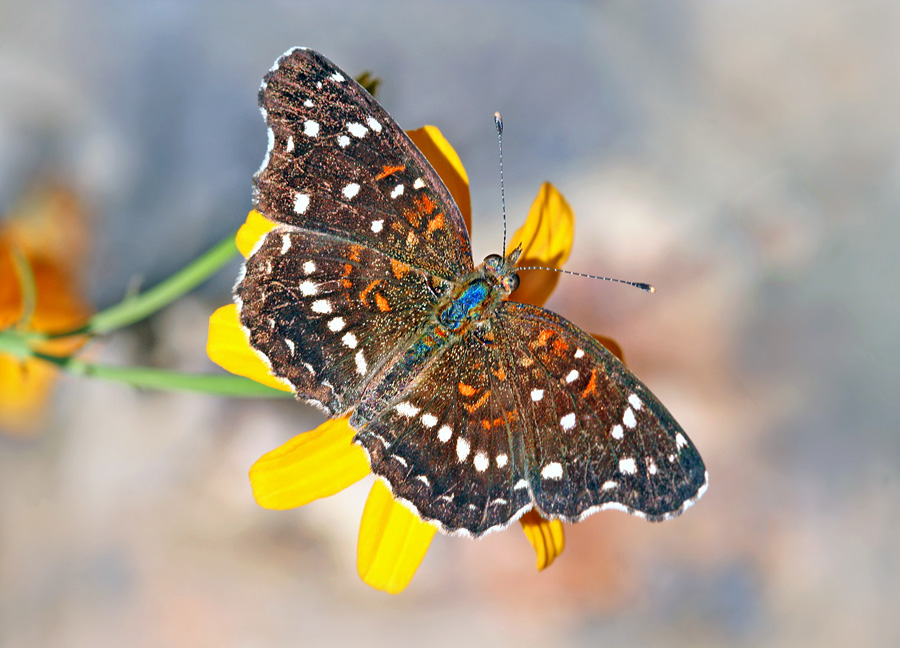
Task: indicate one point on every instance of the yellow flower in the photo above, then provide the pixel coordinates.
(319, 463)
(43, 238)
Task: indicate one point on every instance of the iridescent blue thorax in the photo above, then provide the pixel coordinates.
(468, 304)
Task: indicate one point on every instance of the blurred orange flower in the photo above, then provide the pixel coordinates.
(42, 244)
(392, 540)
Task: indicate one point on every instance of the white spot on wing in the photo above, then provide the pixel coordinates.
(290, 144)
(572, 375)
(636, 402)
(285, 243)
(350, 190)
(301, 202)
(290, 345)
(617, 432)
(308, 288)
(377, 225)
(406, 409)
(321, 306)
(567, 422)
(423, 479)
(444, 433)
(356, 129)
(680, 441)
(398, 191)
(628, 418)
(310, 128)
(627, 466)
(308, 103)
(502, 460)
(374, 124)
(462, 449)
(349, 340)
(553, 470)
(520, 484)
(579, 353)
(336, 324)
(343, 141)
(651, 466)
(309, 267)
(361, 366)
(337, 77)
(609, 485)
(419, 183)
(537, 394)
(429, 420)
(481, 461)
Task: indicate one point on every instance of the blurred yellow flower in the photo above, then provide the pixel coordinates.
(392, 540)
(42, 244)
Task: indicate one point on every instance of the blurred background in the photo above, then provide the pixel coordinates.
(742, 156)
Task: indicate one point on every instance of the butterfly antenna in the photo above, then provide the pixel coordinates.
(637, 284)
(498, 123)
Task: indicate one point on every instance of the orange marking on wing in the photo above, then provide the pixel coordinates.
(559, 346)
(591, 386)
(414, 217)
(500, 373)
(388, 170)
(486, 424)
(543, 337)
(466, 390)
(346, 283)
(498, 422)
(436, 223)
(354, 252)
(481, 401)
(425, 204)
(382, 303)
(365, 292)
(399, 268)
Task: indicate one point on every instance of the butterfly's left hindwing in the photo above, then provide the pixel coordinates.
(326, 313)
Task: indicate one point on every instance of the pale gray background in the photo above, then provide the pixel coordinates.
(742, 155)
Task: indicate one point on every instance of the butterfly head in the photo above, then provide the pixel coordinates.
(502, 270)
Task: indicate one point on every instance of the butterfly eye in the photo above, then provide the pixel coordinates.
(494, 261)
(510, 282)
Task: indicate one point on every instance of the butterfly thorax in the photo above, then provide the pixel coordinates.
(466, 308)
(473, 300)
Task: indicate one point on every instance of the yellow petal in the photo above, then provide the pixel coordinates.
(254, 228)
(446, 162)
(392, 542)
(228, 346)
(312, 465)
(546, 536)
(546, 239)
(611, 345)
(24, 386)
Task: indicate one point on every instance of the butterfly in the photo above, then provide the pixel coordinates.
(474, 408)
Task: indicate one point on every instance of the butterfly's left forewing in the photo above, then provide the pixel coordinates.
(339, 164)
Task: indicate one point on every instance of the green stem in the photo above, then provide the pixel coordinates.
(136, 308)
(149, 378)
